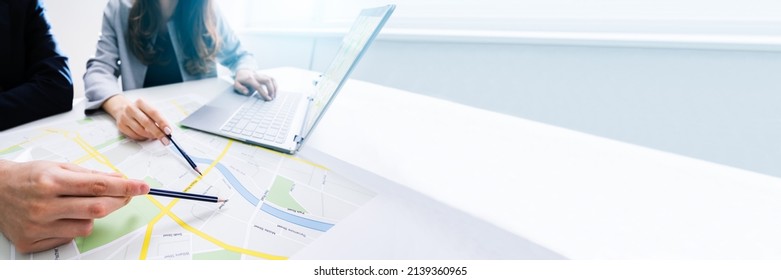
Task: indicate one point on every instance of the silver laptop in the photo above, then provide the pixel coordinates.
(284, 123)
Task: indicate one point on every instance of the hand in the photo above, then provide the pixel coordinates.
(248, 81)
(46, 204)
(138, 120)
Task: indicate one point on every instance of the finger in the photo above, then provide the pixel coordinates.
(264, 93)
(150, 128)
(70, 228)
(240, 88)
(86, 184)
(262, 90)
(79, 207)
(133, 129)
(115, 174)
(274, 88)
(132, 134)
(153, 114)
(268, 82)
(77, 168)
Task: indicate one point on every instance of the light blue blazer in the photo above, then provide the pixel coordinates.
(113, 57)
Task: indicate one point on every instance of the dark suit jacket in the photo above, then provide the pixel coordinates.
(35, 79)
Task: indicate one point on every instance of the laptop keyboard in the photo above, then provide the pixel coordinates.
(261, 120)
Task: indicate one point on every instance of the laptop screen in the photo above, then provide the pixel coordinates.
(354, 45)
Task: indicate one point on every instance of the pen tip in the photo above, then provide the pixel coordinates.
(222, 200)
(199, 171)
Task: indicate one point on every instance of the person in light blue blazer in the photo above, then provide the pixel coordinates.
(157, 42)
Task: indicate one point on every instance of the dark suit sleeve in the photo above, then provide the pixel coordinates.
(48, 89)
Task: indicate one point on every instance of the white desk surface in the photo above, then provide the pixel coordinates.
(545, 190)
(582, 196)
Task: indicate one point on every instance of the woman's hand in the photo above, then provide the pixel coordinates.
(138, 120)
(248, 81)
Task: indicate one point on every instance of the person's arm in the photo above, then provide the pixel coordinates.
(100, 78)
(242, 63)
(137, 120)
(231, 53)
(49, 88)
(46, 204)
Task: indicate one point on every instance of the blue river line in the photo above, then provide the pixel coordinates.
(301, 221)
(232, 180)
(284, 215)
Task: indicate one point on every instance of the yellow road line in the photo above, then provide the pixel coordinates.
(148, 234)
(180, 108)
(211, 166)
(66, 134)
(150, 226)
(92, 152)
(39, 136)
(223, 244)
(166, 210)
(82, 159)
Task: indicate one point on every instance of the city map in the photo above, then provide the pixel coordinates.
(277, 203)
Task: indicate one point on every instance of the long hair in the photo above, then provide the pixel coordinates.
(196, 26)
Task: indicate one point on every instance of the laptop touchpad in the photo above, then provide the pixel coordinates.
(207, 117)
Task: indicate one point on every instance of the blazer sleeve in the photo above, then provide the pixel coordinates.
(49, 88)
(101, 77)
(231, 53)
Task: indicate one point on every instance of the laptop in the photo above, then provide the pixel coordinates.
(284, 123)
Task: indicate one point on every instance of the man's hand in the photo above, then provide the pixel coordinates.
(46, 204)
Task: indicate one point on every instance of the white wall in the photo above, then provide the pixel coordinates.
(76, 26)
(715, 105)
(690, 16)
(721, 106)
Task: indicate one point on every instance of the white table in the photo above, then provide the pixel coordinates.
(582, 196)
(457, 182)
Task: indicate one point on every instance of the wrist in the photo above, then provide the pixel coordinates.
(115, 104)
(243, 71)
